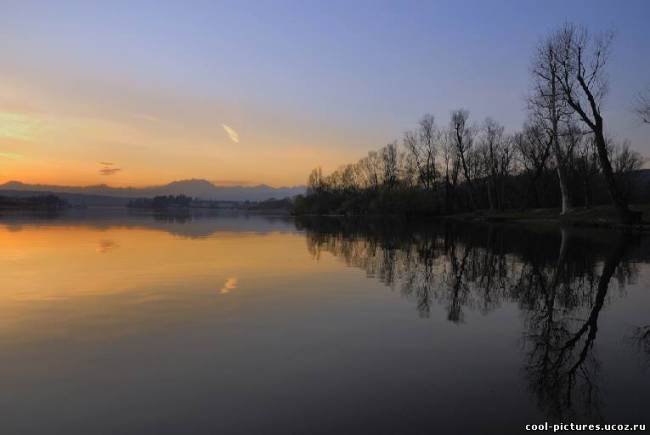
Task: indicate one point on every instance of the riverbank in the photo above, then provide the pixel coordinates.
(604, 216)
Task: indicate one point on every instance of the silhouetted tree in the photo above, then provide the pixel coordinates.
(548, 109)
(315, 181)
(451, 169)
(581, 61)
(390, 165)
(586, 167)
(534, 147)
(422, 147)
(462, 137)
(624, 162)
(643, 107)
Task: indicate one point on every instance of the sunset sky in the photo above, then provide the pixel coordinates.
(141, 93)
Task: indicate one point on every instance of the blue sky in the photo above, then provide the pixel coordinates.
(334, 78)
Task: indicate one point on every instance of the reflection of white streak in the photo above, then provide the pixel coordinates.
(231, 284)
(232, 134)
(105, 245)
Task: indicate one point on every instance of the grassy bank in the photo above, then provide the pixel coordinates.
(604, 216)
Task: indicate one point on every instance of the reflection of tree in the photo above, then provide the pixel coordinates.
(641, 336)
(468, 268)
(559, 344)
(560, 280)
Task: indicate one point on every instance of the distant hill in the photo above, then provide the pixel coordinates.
(195, 188)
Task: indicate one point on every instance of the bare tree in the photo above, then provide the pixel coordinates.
(506, 166)
(390, 165)
(422, 147)
(370, 168)
(462, 136)
(493, 146)
(406, 168)
(534, 149)
(643, 107)
(624, 159)
(624, 162)
(347, 178)
(548, 109)
(586, 166)
(582, 60)
(315, 181)
(451, 169)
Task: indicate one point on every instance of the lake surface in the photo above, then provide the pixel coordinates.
(118, 323)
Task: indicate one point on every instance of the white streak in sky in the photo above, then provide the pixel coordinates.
(232, 134)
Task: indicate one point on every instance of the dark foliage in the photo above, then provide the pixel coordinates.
(162, 202)
(41, 202)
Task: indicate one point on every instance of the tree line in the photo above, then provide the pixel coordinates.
(562, 155)
(47, 202)
(161, 202)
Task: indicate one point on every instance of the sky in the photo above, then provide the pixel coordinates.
(142, 93)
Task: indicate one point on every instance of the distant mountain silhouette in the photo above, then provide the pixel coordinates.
(195, 188)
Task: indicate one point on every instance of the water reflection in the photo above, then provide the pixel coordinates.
(226, 323)
(191, 224)
(560, 278)
(105, 246)
(229, 285)
(641, 337)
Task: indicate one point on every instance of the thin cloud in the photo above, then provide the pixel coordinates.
(232, 134)
(109, 171)
(108, 168)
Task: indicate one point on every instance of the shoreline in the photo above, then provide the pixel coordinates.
(603, 217)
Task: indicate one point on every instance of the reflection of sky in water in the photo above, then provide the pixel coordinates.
(230, 284)
(105, 246)
(405, 340)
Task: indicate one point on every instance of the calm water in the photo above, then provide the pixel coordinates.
(137, 324)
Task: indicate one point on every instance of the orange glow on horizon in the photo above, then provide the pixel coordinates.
(58, 146)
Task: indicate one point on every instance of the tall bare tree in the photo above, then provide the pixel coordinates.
(315, 182)
(492, 143)
(451, 169)
(462, 136)
(582, 59)
(507, 165)
(422, 146)
(643, 107)
(548, 108)
(371, 170)
(390, 165)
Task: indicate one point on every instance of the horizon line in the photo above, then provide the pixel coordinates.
(150, 186)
